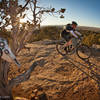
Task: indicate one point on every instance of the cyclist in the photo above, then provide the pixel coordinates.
(70, 34)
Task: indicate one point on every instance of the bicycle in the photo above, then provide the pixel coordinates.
(81, 50)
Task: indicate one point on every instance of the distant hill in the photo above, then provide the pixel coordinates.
(95, 29)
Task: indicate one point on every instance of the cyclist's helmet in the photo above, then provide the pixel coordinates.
(75, 23)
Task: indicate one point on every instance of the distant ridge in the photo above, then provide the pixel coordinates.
(95, 29)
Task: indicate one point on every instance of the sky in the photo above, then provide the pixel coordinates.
(84, 12)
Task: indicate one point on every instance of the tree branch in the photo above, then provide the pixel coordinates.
(24, 6)
(31, 7)
(23, 77)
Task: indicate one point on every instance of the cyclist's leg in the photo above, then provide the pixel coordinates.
(67, 44)
(67, 38)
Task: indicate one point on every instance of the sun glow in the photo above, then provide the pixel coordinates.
(23, 20)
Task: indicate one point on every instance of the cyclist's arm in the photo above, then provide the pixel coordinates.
(72, 32)
(78, 33)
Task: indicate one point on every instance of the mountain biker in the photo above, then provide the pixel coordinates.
(70, 33)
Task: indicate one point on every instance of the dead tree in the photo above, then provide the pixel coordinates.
(5, 85)
(10, 14)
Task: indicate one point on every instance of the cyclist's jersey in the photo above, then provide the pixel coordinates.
(70, 31)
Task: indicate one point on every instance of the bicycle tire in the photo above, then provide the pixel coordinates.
(84, 49)
(63, 53)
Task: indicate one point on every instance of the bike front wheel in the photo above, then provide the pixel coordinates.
(83, 51)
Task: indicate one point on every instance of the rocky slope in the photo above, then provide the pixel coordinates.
(55, 76)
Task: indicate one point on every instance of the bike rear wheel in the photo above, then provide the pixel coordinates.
(83, 52)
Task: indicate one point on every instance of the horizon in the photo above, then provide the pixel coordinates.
(77, 26)
(64, 25)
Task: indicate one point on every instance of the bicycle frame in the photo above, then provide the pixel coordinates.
(71, 43)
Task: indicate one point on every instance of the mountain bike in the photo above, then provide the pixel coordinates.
(68, 48)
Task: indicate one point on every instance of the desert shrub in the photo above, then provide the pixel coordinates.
(48, 32)
(89, 39)
(97, 39)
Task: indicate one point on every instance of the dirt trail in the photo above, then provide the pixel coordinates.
(59, 79)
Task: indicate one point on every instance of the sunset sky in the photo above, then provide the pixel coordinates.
(84, 12)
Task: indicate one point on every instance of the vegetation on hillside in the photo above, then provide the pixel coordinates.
(48, 32)
(53, 33)
(90, 37)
